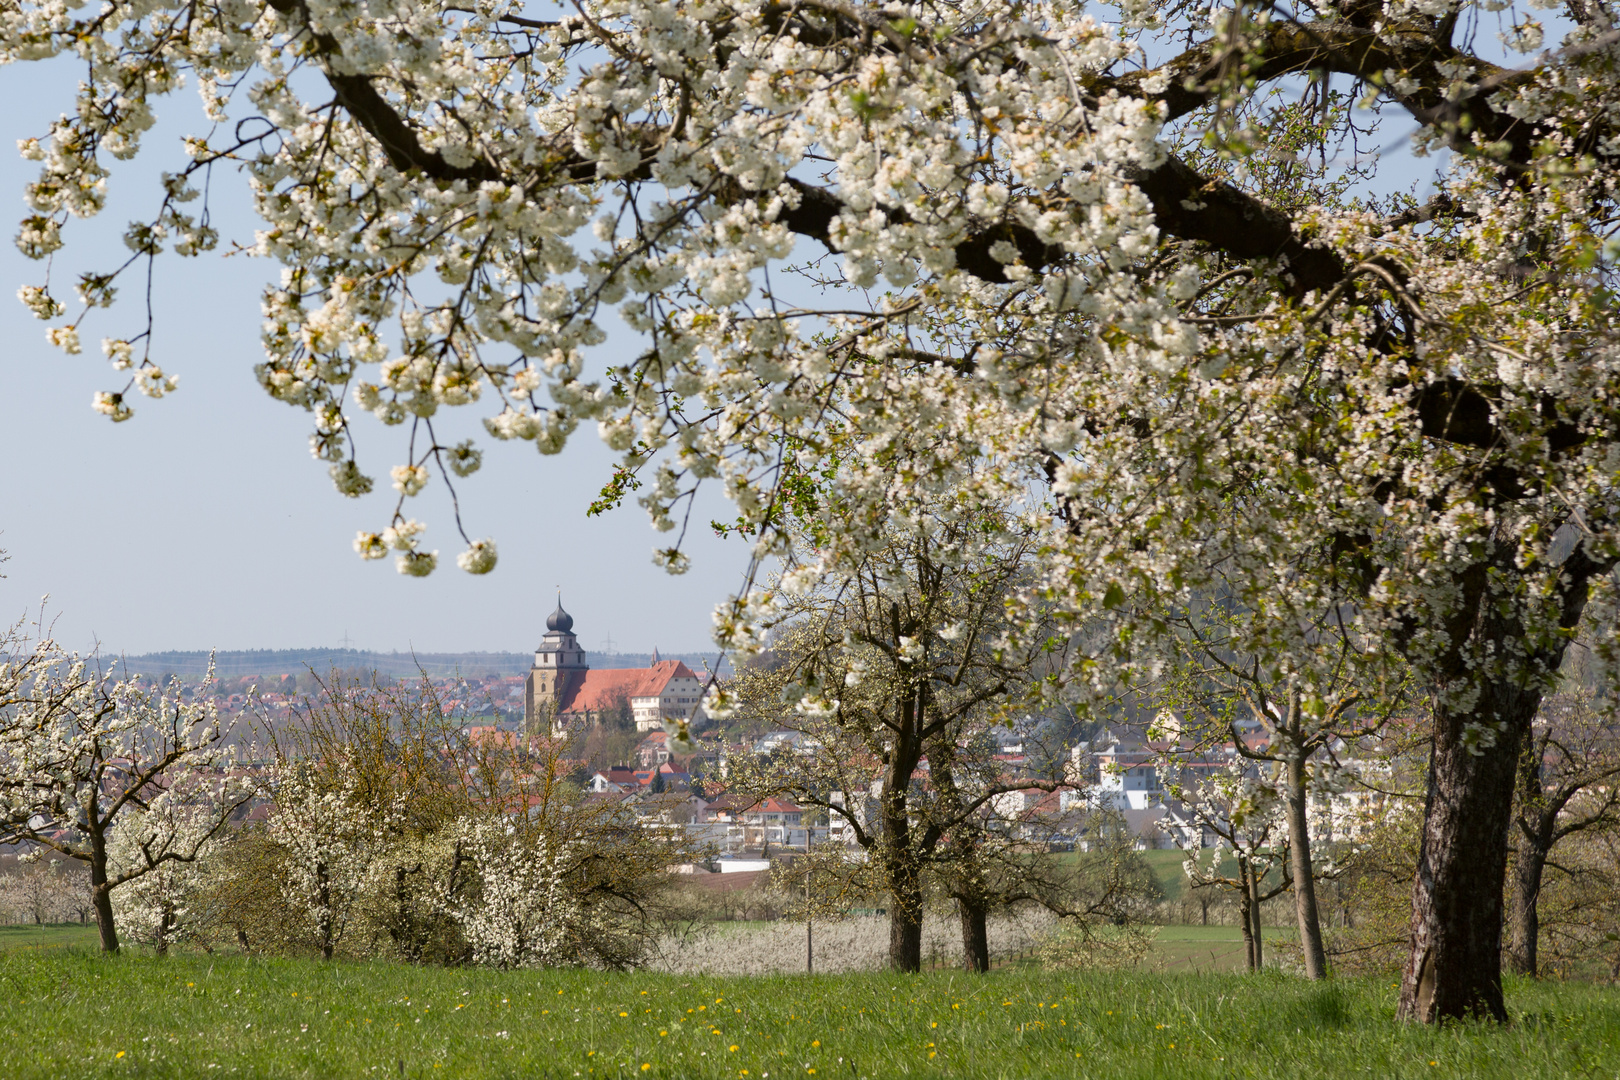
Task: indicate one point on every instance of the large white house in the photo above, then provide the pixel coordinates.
(1128, 778)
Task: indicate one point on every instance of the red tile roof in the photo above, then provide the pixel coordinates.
(774, 806)
(599, 689)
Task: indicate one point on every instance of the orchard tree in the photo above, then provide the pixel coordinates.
(89, 764)
(1032, 278)
(1340, 693)
(1244, 818)
(1569, 783)
(893, 677)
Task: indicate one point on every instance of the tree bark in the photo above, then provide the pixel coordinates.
(1537, 822)
(1527, 871)
(101, 896)
(905, 921)
(1299, 847)
(1454, 968)
(1245, 919)
(975, 936)
(1256, 933)
(897, 844)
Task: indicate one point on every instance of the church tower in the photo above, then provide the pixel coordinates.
(559, 668)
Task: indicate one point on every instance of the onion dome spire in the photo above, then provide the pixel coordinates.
(560, 620)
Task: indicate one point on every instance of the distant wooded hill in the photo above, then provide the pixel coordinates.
(297, 661)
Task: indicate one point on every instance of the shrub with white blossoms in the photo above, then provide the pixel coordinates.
(332, 844)
(1077, 256)
(523, 911)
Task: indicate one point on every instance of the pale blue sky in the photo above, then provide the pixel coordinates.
(204, 522)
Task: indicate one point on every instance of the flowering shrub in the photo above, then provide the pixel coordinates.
(169, 903)
(522, 912)
(393, 834)
(333, 848)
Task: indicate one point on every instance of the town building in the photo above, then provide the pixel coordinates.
(562, 688)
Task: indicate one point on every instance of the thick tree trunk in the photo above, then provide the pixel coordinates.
(1299, 854)
(101, 897)
(1454, 968)
(1527, 871)
(975, 936)
(905, 923)
(897, 845)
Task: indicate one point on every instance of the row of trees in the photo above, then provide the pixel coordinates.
(370, 824)
(393, 834)
(902, 670)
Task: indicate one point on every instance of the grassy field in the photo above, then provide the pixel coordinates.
(69, 1013)
(50, 935)
(1175, 948)
(1211, 948)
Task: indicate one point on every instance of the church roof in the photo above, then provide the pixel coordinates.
(559, 620)
(600, 688)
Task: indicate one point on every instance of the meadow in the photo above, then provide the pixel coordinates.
(67, 1012)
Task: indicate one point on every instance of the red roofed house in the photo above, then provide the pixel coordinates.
(563, 685)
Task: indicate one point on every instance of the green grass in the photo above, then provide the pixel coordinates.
(1211, 948)
(47, 936)
(75, 1014)
(1167, 867)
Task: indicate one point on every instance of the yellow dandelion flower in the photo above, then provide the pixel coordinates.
(815, 1042)
(121, 1054)
(732, 1048)
(645, 1065)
